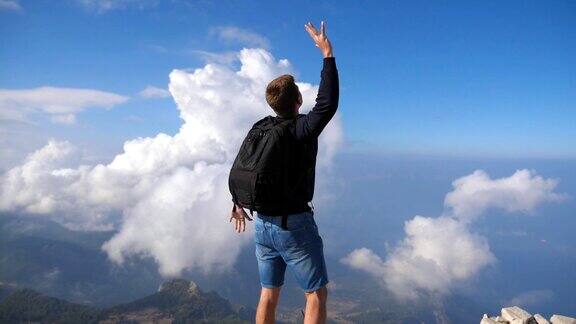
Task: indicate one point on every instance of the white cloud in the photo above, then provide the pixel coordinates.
(67, 119)
(12, 5)
(235, 35)
(439, 252)
(221, 58)
(435, 253)
(521, 192)
(61, 104)
(531, 298)
(171, 191)
(102, 6)
(151, 92)
(365, 260)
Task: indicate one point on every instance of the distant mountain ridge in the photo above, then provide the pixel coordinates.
(177, 301)
(71, 266)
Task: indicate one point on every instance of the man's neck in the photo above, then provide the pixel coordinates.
(287, 117)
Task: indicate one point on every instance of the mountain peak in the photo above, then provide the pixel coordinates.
(180, 286)
(177, 301)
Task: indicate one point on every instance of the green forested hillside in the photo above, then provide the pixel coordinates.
(26, 305)
(177, 301)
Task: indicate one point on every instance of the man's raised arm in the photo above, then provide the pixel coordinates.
(327, 100)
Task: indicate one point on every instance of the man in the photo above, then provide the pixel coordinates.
(296, 243)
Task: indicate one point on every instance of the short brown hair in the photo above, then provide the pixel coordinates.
(282, 94)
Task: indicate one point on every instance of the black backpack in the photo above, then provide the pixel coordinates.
(258, 175)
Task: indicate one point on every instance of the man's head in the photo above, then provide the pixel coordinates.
(283, 95)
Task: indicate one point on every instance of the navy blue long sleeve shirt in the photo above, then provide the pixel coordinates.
(305, 131)
(309, 126)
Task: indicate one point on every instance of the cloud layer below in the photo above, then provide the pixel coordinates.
(166, 196)
(438, 252)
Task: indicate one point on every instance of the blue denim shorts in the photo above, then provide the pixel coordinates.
(299, 247)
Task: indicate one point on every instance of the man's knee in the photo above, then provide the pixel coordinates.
(320, 294)
(270, 295)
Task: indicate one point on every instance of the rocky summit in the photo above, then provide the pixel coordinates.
(180, 286)
(517, 315)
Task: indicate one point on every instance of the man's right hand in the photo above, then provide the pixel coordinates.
(320, 38)
(239, 216)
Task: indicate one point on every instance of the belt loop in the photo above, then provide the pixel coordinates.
(285, 222)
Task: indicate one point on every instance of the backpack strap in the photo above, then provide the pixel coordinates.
(285, 217)
(283, 125)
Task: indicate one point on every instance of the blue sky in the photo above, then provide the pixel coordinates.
(456, 78)
(482, 79)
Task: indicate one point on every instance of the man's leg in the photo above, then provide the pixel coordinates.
(266, 311)
(271, 267)
(316, 306)
(304, 253)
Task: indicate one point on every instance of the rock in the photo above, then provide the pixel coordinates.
(559, 319)
(540, 319)
(500, 319)
(516, 315)
(193, 288)
(181, 287)
(493, 320)
(488, 320)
